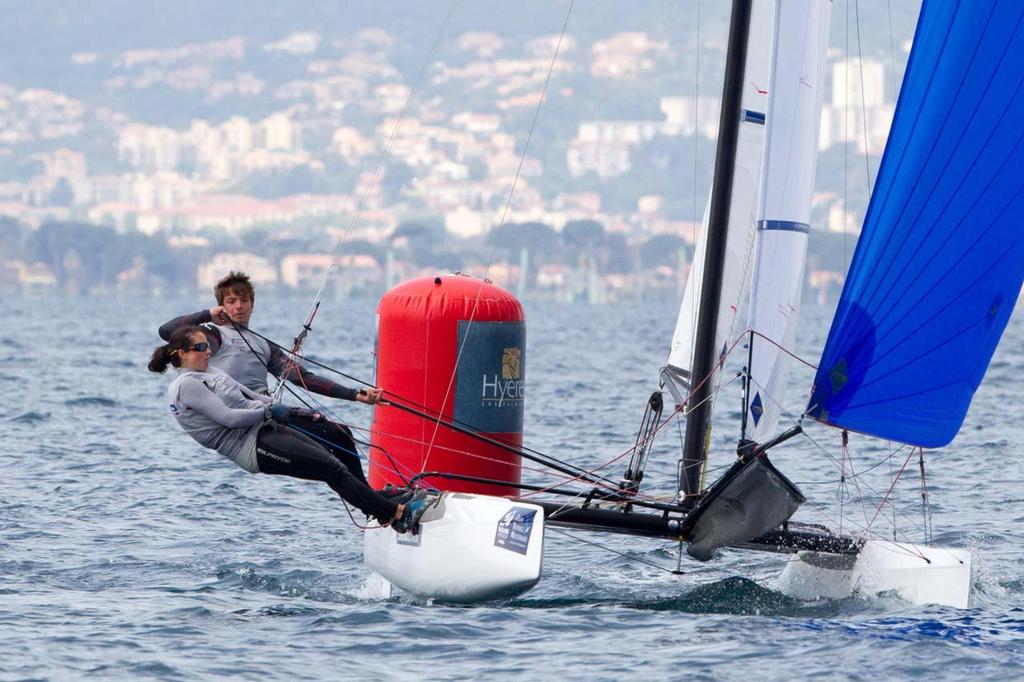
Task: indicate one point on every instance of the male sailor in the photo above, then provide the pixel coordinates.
(247, 358)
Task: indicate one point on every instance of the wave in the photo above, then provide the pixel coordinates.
(733, 595)
(32, 418)
(91, 401)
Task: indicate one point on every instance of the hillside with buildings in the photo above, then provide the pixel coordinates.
(264, 147)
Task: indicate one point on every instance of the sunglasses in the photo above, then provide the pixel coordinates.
(198, 347)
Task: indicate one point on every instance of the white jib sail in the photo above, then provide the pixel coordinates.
(795, 92)
(742, 211)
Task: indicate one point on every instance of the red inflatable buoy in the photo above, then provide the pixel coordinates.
(452, 346)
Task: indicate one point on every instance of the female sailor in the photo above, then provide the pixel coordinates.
(221, 414)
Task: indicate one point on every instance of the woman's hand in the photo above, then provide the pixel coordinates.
(285, 414)
(371, 396)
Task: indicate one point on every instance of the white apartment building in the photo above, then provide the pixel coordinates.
(857, 111)
(149, 148)
(238, 133)
(260, 270)
(606, 159)
(277, 132)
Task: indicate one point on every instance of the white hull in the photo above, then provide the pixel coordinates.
(919, 575)
(469, 548)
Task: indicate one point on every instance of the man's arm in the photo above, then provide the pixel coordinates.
(202, 318)
(283, 368)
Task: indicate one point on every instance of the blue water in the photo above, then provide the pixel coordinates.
(126, 551)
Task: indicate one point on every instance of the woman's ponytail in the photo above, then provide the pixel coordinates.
(162, 356)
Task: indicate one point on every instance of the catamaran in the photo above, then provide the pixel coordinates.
(930, 289)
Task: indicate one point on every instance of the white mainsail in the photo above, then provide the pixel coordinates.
(787, 182)
(742, 214)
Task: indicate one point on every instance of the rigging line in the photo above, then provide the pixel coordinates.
(846, 138)
(545, 471)
(842, 491)
(867, 241)
(953, 232)
(609, 462)
(868, 533)
(926, 507)
(297, 345)
(282, 381)
(424, 66)
(862, 472)
(866, 484)
(907, 547)
(882, 274)
(572, 470)
(828, 515)
(355, 523)
(898, 171)
(394, 465)
(784, 349)
(892, 47)
(893, 485)
(863, 102)
(855, 476)
(307, 326)
(466, 428)
(504, 215)
(678, 410)
(630, 450)
(696, 148)
(614, 551)
(566, 506)
(893, 502)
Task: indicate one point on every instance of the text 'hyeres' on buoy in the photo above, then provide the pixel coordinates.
(452, 346)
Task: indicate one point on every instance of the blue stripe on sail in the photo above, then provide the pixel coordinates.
(753, 117)
(784, 225)
(940, 261)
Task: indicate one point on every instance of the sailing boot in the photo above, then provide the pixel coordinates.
(415, 505)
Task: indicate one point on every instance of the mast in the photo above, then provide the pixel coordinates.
(705, 351)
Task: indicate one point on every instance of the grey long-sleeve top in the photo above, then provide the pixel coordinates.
(219, 413)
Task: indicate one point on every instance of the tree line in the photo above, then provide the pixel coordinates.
(89, 255)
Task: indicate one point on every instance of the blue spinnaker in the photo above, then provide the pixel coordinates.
(940, 260)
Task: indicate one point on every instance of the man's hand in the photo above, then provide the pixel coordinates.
(371, 396)
(219, 315)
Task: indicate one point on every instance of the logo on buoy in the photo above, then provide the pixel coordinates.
(491, 376)
(510, 363)
(509, 389)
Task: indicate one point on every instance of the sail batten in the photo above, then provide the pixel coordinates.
(940, 262)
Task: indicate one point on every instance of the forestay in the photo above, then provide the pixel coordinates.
(787, 181)
(940, 261)
(742, 213)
